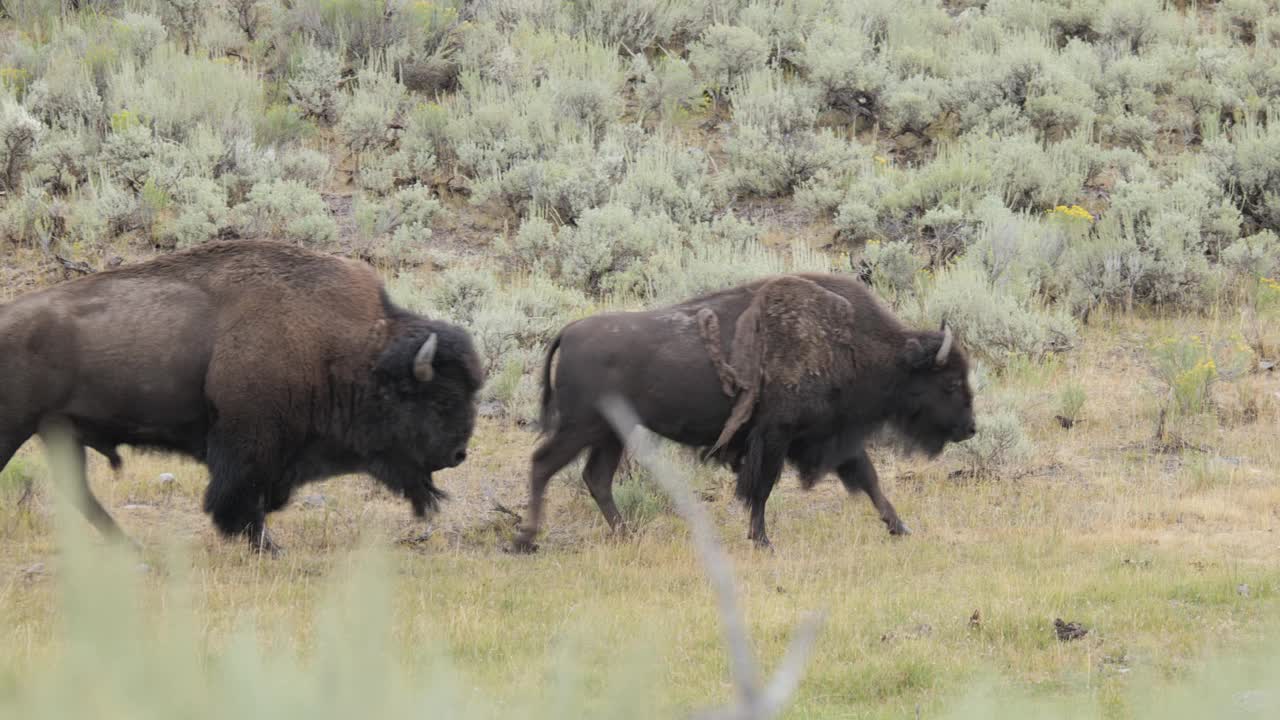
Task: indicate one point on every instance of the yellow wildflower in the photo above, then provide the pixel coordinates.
(1072, 211)
(881, 159)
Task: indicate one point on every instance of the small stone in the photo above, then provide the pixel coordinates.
(1242, 590)
(34, 570)
(314, 501)
(166, 479)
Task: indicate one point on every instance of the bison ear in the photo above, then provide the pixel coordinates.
(914, 356)
(422, 369)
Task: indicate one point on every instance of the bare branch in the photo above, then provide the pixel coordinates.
(753, 702)
(626, 423)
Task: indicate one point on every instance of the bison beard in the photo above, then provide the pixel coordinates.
(273, 365)
(798, 368)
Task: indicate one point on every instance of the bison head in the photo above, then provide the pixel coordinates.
(426, 382)
(936, 403)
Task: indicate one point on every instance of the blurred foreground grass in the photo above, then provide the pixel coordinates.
(629, 629)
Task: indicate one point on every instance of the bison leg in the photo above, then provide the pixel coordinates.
(10, 441)
(759, 473)
(858, 473)
(235, 501)
(602, 463)
(241, 514)
(554, 453)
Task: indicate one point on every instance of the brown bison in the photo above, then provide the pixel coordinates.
(802, 368)
(272, 365)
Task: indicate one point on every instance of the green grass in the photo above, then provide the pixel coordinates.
(917, 126)
(1151, 559)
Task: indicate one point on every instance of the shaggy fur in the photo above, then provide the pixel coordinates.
(800, 368)
(271, 364)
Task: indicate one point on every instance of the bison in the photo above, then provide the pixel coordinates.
(272, 365)
(804, 368)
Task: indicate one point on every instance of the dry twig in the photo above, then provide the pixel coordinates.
(754, 701)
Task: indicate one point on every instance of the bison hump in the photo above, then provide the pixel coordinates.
(806, 332)
(794, 333)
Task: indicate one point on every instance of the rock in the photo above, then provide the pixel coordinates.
(1069, 631)
(1242, 590)
(1266, 365)
(489, 409)
(166, 479)
(32, 571)
(116, 261)
(314, 501)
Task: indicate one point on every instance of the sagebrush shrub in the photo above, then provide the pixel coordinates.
(534, 245)
(665, 178)
(139, 34)
(1257, 255)
(726, 53)
(1001, 443)
(719, 255)
(895, 268)
(512, 328)
(307, 166)
(370, 115)
(458, 293)
(998, 319)
(665, 87)
(845, 68)
(361, 30)
(913, 104)
(313, 82)
(202, 212)
(19, 135)
(65, 96)
(607, 250)
(178, 94)
(59, 161)
(282, 125)
(774, 146)
(404, 219)
(288, 209)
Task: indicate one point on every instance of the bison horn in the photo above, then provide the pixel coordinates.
(422, 369)
(945, 350)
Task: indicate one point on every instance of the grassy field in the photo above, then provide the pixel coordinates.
(1167, 557)
(1084, 189)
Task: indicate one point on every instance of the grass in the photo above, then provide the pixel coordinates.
(1160, 539)
(1147, 550)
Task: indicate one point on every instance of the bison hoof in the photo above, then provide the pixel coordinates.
(763, 545)
(523, 546)
(899, 528)
(264, 544)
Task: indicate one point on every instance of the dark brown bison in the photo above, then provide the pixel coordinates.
(802, 368)
(272, 365)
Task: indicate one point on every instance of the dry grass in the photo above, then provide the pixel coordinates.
(1163, 555)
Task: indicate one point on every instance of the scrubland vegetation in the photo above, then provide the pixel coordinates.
(1087, 190)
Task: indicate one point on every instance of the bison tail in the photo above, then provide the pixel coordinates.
(547, 414)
